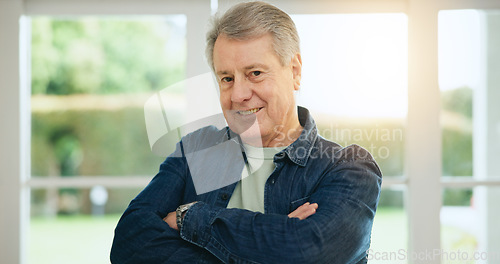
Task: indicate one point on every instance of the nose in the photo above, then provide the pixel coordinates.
(241, 91)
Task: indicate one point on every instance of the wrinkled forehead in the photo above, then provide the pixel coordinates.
(243, 54)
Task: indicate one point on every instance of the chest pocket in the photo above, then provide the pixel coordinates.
(295, 204)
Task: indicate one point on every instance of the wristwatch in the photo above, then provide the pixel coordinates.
(180, 213)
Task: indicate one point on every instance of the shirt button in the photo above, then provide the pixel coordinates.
(224, 196)
(272, 181)
(280, 155)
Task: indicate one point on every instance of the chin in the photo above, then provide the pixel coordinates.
(253, 139)
(251, 135)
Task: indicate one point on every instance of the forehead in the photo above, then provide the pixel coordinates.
(230, 54)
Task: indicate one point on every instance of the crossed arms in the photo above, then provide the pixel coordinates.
(346, 194)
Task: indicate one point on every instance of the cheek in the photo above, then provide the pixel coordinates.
(225, 100)
(280, 105)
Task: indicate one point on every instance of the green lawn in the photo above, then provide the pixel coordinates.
(389, 235)
(71, 239)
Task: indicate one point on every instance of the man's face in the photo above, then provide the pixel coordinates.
(256, 91)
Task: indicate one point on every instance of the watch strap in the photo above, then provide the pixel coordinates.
(179, 214)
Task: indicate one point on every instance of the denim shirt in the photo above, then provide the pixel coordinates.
(344, 182)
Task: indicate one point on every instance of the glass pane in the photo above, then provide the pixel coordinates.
(469, 224)
(390, 230)
(459, 74)
(90, 79)
(75, 225)
(469, 56)
(354, 81)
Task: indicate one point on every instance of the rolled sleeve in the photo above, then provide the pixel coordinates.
(197, 223)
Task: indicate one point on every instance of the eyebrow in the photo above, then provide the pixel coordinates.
(257, 65)
(249, 67)
(221, 72)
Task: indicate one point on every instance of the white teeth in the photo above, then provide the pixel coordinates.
(247, 112)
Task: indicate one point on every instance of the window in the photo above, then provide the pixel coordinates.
(468, 66)
(90, 79)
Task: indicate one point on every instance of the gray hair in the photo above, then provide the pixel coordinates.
(253, 19)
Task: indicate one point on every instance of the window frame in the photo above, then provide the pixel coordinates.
(423, 131)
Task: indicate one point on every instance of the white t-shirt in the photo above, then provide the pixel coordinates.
(249, 192)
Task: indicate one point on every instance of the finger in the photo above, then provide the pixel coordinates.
(298, 211)
(308, 211)
(304, 211)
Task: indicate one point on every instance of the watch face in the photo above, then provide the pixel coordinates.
(183, 208)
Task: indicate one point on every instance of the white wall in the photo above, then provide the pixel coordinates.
(10, 139)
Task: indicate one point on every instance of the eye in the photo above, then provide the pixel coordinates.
(255, 73)
(227, 79)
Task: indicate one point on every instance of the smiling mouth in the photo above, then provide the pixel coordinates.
(250, 111)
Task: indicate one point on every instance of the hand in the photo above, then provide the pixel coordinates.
(304, 211)
(171, 220)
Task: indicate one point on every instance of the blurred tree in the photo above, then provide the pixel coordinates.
(457, 132)
(457, 142)
(44, 56)
(458, 100)
(96, 55)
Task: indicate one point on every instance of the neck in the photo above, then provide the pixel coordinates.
(280, 137)
(284, 138)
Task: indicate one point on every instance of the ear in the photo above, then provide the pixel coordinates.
(296, 65)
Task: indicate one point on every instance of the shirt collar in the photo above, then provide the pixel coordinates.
(300, 150)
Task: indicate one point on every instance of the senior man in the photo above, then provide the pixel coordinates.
(300, 198)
